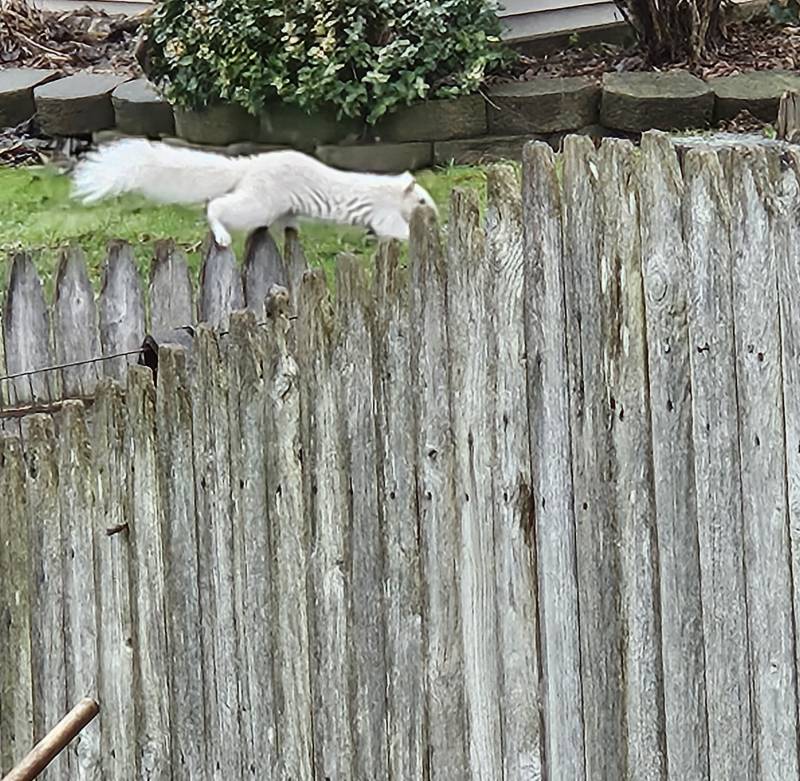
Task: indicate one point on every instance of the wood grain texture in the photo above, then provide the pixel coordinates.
(396, 422)
(150, 669)
(170, 290)
(180, 549)
(472, 388)
(264, 267)
(220, 286)
(756, 246)
(666, 274)
(327, 503)
(549, 429)
(514, 553)
(707, 219)
(352, 362)
(630, 458)
(113, 575)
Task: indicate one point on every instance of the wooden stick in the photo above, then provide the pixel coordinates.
(788, 126)
(52, 744)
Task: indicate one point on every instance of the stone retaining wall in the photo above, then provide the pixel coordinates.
(466, 130)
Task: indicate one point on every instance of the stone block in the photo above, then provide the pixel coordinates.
(758, 93)
(218, 125)
(477, 151)
(674, 100)
(16, 93)
(291, 126)
(141, 111)
(434, 120)
(76, 105)
(378, 158)
(543, 105)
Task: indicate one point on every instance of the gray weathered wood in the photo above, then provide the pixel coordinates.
(707, 219)
(171, 295)
(294, 261)
(630, 460)
(151, 672)
(666, 272)
(252, 557)
(47, 586)
(395, 408)
(75, 332)
(112, 566)
(26, 335)
(439, 528)
(592, 410)
(548, 415)
(289, 542)
(470, 351)
(788, 267)
(326, 501)
(181, 586)
(756, 246)
(16, 711)
(788, 124)
(121, 309)
(514, 553)
(221, 661)
(77, 504)
(263, 267)
(220, 286)
(353, 362)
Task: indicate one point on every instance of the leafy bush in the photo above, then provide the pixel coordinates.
(361, 57)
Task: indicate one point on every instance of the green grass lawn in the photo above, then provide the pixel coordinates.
(37, 213)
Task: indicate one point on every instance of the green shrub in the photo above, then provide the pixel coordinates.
(361, 57)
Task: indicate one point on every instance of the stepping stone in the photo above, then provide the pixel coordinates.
(543, 105)
(139, 110)
(291, 126)
(675, 100)
(476, 151)
(435, 120)
(16, 93)
(76, 105)
(378, 158)
(759, 93)
(219, 125)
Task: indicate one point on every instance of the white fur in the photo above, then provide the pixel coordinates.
(245, 193)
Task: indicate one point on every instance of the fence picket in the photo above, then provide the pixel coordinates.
(263, 267)
(170, 290)
(220, 286)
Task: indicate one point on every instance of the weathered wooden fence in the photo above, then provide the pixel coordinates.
(527, 509)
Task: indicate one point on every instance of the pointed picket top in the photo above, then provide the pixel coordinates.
(171, 295)
(264, 267)
(220, 285)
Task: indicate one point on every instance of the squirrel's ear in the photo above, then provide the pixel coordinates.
(408, 181)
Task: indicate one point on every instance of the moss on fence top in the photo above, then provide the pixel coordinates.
(37, 213)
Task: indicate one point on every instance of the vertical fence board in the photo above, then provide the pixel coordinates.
(294, 261)
(325, 490)
(665, 268)
(171, 294)
(251, 549)
(151, 678)
(290, 540)
(263, 267)
(221, 663)
(514, 542)
(707, 224)
(16, 694)
(181, 586)
(26, 334)
(755, 246)
(220, 286)
(76, 496)
(440, 539)
(789, 292)
(633, 497)
(395, 407)
(121, 309)
(591, 415)
(470, 347)
(75, 332)
(47, 585)
(550, 456)
(353, 362)
(112, 567)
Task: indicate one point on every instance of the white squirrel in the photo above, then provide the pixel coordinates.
(246, 193)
